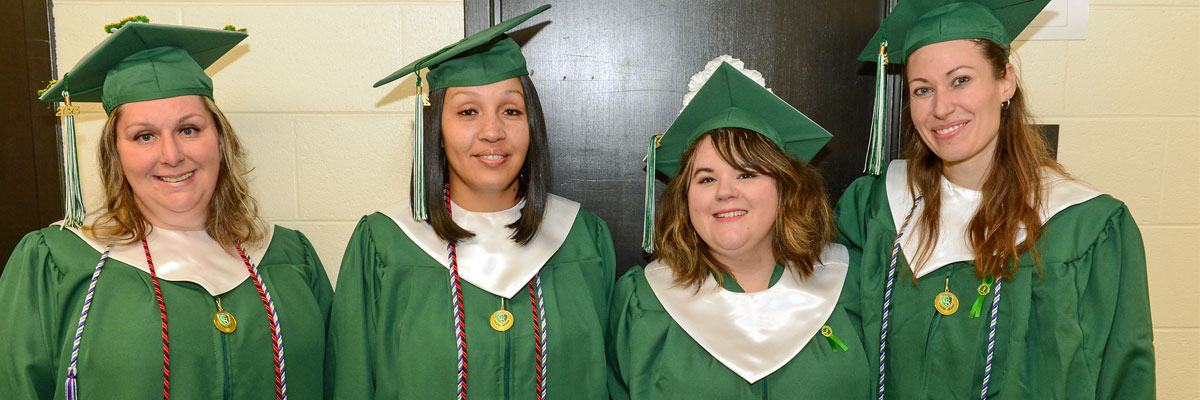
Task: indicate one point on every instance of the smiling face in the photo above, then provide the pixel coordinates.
(485, 133)
(170, 155)
(955, 101)
(733, 211)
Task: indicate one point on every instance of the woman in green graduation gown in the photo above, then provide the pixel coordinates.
(176, 288)
(987, 271)
(482, 261)
(746, 298)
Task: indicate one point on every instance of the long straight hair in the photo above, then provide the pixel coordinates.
(1012, 190)
(533, 181)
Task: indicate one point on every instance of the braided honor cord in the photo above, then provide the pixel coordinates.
(887, 293)
(273, 319)
(460, 330)
(162, 311)
(539, 333)
(987, 368)
(72, 393)
(538, 306)
(887, 301)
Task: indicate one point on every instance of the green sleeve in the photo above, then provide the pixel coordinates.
(28, 305)
(851, 213)
(624, 308)
(1118, 325)
(320, 286)
(850, 299)
(604, 244)
(349, 371)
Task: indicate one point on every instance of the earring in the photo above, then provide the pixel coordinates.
(1005, 104)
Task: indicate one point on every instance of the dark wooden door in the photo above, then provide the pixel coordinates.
(612, 73)
(30, 184)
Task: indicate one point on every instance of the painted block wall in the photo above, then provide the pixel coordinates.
(327, 148)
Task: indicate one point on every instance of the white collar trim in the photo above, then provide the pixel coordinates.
(958, 206)
(184, 256)
(490, 260)
(755, 334)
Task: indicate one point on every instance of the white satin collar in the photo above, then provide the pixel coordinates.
(184, 256)
(490, 260)
(755, 334)
(957, 208)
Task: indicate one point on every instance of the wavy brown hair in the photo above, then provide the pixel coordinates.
(232, 213)
(1011, 189)
(803, 225)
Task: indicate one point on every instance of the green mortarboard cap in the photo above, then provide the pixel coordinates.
(913, 24)
(730, 99)
(488, 56)
(143, 61)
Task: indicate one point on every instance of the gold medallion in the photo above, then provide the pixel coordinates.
(946, 302)
(224, 321)
(501, 320)
(983, 289)
(826, 331)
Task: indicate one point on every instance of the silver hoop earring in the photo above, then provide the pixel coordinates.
(1005, 104)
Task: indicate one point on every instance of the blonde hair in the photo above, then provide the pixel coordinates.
(232, 215)
(803, 225)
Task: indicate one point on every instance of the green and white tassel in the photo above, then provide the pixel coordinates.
(874, 161)
(72, 192)
(648, 212)
(420, 211)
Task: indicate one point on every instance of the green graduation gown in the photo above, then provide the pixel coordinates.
(392, 334)
(42, 293)
(651, 356)
(1077, 327)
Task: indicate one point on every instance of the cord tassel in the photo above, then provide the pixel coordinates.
(420, 211)
(874, 163)
(648, 212)
(72, 192)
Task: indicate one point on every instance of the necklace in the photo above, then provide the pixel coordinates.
(887, 307)
(501, 321)
(72, 392)
(224, 321)
(946, 302)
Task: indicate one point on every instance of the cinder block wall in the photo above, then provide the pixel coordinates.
(1127, 100)
(327, 148)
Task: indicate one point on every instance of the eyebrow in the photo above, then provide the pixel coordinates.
(149, 125)
(948, 73)
(951, 72)
(699, 170)
(473, 93)
(189, 116)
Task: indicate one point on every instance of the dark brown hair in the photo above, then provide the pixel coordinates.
(803, 225)
(533, 181)
(1011, 190)
(232, 213)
